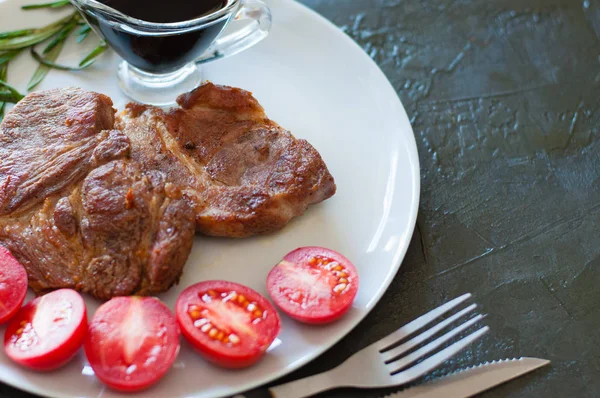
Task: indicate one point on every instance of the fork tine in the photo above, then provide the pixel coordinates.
(436, 360)
(415, 341)
(418, 323)
(421, 352)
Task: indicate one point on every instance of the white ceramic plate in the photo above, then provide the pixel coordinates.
(314, 80)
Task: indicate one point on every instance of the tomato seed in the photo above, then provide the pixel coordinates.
(194, 312)
(340, 288)
(232, 296)
(200, 322)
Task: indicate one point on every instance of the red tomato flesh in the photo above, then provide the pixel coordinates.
(132, 342)
(229, 324)
(13, 285)
(313, 285)
(48, 331)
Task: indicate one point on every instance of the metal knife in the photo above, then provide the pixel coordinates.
(474, 380)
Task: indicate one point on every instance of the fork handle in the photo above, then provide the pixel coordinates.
(306, 387)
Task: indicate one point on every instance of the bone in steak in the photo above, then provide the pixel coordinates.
(76, 210)
(244, 173)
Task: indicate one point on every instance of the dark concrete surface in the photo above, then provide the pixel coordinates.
(504, 99)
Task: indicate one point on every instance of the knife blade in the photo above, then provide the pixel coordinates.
(473, 380)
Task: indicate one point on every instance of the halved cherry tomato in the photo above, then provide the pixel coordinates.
(313, 284)
(230, 324)
(13, 285)
(132, 342)
(48, 331)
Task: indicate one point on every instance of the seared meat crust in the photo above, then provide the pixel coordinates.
(245, 174)
(109, 206)
(76, 211)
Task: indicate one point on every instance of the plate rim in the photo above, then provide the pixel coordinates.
(398, 257)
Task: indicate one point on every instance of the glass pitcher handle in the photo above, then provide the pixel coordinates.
(241, 39)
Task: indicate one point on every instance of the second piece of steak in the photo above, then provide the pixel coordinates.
(76, 210)
(245, 174)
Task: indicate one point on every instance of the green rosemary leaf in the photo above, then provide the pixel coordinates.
(7, 56)
(91, 57)
(7, 97)
(60, 36)
(47, 63)
(56, 4)
(83, 33)
(9, 93)
(16, 33)
(87, 61)
(44, 68)
(59, 4)
(36, 35)
(3, 70)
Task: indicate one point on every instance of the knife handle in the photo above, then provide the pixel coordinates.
(307, 386)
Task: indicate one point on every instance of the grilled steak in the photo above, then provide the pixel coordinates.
(108, 206)
(76, 210)
(244, 173)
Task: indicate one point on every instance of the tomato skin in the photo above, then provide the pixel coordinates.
(285, 279)
(63, 345)
(251, 346)
(14, 277)
(123, 335)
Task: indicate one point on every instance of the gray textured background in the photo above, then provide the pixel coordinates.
(504, 99)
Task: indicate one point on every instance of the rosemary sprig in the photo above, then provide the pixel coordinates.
(55, 36)
(52, 51)
(3, 70)
(34, 36)
(87, 61)
(83, 32)
(16, 33)
(8, 93)
(91, 57)
(56, 4)
(60, 36)
(7, 56)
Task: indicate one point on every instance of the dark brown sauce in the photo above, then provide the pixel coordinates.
(165, 11)
(162, 53)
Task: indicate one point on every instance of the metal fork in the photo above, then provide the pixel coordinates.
(382, 364)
